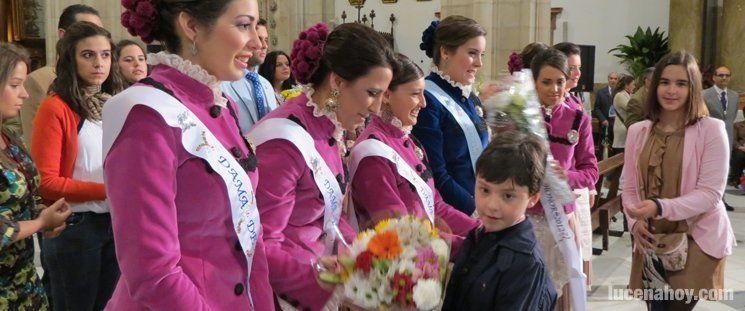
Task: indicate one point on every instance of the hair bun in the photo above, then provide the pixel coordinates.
(139, 18)
(515, 63)
(307, 51)
(428, 39)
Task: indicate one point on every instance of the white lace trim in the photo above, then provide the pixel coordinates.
(465, 89)
(192, 70)
(321, 112)
(387, 115)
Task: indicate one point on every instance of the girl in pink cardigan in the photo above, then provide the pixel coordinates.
(673, 179)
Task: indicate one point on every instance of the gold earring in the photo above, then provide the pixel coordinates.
(333, 101)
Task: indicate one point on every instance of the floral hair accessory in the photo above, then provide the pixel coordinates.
(139, 18)
(307, 51)
(515, 63)
(428, 39)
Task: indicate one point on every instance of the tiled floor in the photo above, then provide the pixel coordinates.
(611, 269)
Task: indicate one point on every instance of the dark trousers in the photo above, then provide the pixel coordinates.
(736, 165)
(81, 264)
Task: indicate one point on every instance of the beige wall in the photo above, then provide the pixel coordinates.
(730, 46)
(510, 25)
(686, 25)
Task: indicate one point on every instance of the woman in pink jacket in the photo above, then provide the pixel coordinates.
(390, 173)
(673, 178)
(179, 176)
(300, 148)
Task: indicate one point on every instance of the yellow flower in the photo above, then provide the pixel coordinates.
(382, 225)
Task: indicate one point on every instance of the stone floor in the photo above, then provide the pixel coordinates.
(611, 268)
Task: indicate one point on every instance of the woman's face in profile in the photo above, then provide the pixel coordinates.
(362, 96)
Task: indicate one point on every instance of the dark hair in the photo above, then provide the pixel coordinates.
(67, 84)
(549, 57)
(125, 43)
(269, 67)
(624, 81)
(261, 22)
(351, 51)
(69, 15)
(205, 13)
(530, 51)
(454, 31)
(647, 73)
(695, 108)
(568, 48)
(514, 155)
(10, 56)
(404, 71)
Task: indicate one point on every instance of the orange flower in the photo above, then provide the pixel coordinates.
(385, 245)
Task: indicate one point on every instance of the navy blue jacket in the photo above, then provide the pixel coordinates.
(446, 147)
(502, 270)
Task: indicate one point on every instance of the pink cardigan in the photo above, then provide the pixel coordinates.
(702, 183)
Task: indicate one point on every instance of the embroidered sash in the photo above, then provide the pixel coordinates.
(461, 117)
(376, 148)
(280, 128)
(199, 141)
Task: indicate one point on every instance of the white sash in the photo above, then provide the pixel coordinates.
(199, 141)
(280, 128)
(376, 148)
(461, 117)
(558, 223)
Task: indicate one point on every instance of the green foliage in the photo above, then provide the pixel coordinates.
(644, 50)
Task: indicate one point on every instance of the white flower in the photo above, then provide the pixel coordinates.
(358, 289)
(360, 244)
(441, 248)
(427, 294)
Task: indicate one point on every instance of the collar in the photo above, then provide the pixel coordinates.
(464, 89)
(393, 128)
(318, 112)
(719, 91)
(191, 70)
(519, 238)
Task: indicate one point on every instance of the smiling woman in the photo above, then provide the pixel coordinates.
(67, 150)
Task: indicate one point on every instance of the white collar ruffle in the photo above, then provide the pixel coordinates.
(386, 115)
(192, 70)
(321, 112)
(464, 89)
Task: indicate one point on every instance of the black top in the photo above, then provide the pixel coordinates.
(502, 270)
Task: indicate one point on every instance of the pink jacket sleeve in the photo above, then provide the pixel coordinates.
(585, 171)
(375, 188)
(140, 173)
(629, 174)
(290, 270)
(460, 224)
(711, 179)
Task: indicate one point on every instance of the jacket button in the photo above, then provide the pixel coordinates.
(238, 289)
(406, 143)
(236, 152)
(238, 246)
(215, 111)
(332, 141)
(418, 167)
(462, 99)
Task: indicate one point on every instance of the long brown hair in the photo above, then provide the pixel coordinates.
(695, 107)
(10, 56)
(68, 85)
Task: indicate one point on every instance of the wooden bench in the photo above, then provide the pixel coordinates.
(605, 208)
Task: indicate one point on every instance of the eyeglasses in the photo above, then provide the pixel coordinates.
(723, 75)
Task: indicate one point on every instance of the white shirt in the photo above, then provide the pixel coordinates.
(89, 164)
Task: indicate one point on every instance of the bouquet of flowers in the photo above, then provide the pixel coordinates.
(295, 91)
(401, 264)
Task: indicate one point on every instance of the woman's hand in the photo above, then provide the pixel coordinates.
(559, 170)
(329, 272)
(645, 209)
(55, 232)
(643, 239)
(52, 217)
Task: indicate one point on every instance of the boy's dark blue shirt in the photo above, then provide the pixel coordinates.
(502, 270)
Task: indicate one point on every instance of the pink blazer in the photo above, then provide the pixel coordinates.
(702, 183)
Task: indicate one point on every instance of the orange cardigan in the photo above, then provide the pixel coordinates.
(54, 149)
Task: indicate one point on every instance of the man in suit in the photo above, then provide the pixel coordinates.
(635, 107)
(253, 95)
(602, 111)
(722, 104)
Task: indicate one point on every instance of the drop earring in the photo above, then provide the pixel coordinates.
(333, 101)
(194, 47)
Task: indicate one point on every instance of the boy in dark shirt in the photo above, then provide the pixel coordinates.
(500, 265)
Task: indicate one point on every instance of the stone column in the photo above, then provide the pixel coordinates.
(294, 16)
(510, 25)
(730, 46)
(686, 26)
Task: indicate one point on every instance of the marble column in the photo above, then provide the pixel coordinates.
(686, 26)
(730, 46)
(510, 25)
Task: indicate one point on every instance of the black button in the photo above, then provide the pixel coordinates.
(406, 143)
(238, 290)
(215, 111)
(419, 168)
(238, 246)
(248, 164)
(236, 152)
(332, 141)
(462, 99)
